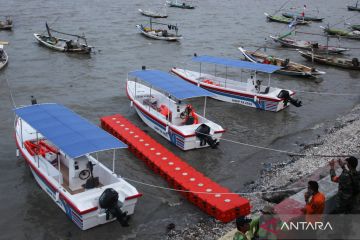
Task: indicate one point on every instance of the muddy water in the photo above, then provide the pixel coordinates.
(94, 86)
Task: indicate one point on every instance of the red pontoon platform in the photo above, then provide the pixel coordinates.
(209, 196)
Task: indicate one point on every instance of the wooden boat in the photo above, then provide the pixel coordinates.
(251, 93)
(159, 99)
(308, 45)
(179, 5)
(60, 148)
(63, 45)
(4, 58)
(7, 24)
(355, 27)
(282, 19)
(153, 14)
(354, 8)
(332, 60)
(288, 68)
(299, 16)
(159, 33)
(355, 34)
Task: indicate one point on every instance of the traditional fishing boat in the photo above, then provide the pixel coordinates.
(63, 45)
(305, 17)
(153, 14)
(307, 45)
(251, 93)
(179, 5)
(354, 34)
(354, 8)
(355, 27)
(282, 19)
(288, 67)
(3, 57)
(332, 60)
(158, 99)
(159, 33)
(7, 24)
(61, 149)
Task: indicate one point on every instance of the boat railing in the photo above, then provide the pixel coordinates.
(50, 170)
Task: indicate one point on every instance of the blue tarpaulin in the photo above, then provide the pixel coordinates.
(171, 84)
(71, 133)
(267, 68)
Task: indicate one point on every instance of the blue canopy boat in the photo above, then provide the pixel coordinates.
(61, 149)
(158, 98)
(251, 93)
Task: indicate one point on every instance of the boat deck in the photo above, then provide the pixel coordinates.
(65, 173)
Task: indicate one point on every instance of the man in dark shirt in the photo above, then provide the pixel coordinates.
(349, 184)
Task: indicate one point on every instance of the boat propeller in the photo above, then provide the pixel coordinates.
(287, 98)
(109, 201)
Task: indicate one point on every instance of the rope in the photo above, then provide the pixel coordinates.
(11, 95)
(329, 93)
(212, 193)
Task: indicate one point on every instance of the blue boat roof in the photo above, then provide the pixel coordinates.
(267, 68)
(171, 84)
(68, 131)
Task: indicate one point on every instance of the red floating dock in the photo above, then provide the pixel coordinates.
(209, 196)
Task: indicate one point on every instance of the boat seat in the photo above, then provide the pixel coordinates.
(267, 89)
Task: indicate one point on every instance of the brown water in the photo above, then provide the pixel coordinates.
(94, 87)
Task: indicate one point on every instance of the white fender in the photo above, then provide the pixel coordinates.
(131, 103)
(17, 152)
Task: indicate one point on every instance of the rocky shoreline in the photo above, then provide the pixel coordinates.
(287, 175)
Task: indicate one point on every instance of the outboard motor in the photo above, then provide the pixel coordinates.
(203, 133)
(286, 96)
(109, 201)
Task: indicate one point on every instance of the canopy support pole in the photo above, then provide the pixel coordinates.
(199, 76)
(114, 155)
(215, 70)
(37, 154)
(150, 99)
(205, 108)
(226, 69)
(21, 133)
(269, 79)
(168, 113)
(59, 169)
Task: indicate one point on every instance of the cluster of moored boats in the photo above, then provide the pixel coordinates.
(61, 147)
(313, 51)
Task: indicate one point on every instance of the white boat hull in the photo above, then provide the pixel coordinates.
(71, 205)
(268, 102)
(184, 140)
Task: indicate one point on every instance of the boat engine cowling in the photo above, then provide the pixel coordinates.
(108, 200)
(203, 133)
(287, 98)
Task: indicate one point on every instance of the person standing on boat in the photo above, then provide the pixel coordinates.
(190, 116)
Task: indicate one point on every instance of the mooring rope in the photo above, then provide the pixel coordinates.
(212, 193)
(11, 95)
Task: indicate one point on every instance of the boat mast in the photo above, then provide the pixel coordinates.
(48, 30)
